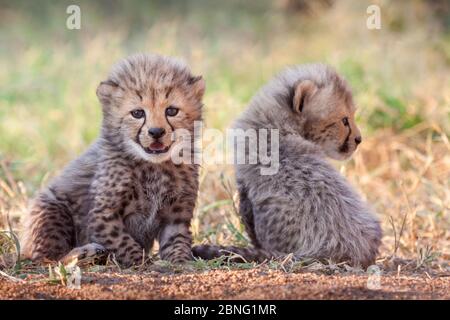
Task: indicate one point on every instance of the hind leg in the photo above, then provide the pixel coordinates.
(246, 211)
(49, 230)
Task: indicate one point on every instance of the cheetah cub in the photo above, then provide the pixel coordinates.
(307, 208)
(125, 191)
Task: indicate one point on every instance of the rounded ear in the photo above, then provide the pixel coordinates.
(105, 91)
(303, 90)
(198, 86)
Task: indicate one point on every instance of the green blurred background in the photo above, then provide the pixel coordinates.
(49, 112)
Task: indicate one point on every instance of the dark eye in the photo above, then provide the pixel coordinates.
(345, 121)
(138, 113)
(171, 111)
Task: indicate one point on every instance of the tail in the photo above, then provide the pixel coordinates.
(236, 254)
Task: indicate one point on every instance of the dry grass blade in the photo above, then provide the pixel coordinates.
(9, 176)
(11, 278)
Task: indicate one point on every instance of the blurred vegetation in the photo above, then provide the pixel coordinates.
(400, 76)
(49, 112)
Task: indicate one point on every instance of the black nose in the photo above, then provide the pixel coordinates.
(358, 139)
(156, 132)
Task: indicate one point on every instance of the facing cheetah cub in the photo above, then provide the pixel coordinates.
(307, 208)
(124, 191)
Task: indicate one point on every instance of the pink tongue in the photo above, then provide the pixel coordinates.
(156, 145)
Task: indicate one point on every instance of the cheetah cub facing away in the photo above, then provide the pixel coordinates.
(307, 208)
(124, 191)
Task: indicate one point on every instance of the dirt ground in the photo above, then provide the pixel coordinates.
(234, 284)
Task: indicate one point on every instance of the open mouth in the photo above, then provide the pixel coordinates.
(156, 148)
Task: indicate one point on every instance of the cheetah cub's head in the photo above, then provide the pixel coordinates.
(325, 102)
(145, 100)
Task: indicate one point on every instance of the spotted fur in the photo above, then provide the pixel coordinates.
(307, 208)
(124, 191)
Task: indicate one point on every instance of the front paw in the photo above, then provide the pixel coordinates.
(130, 259)
(179, 257)
(90, 252)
